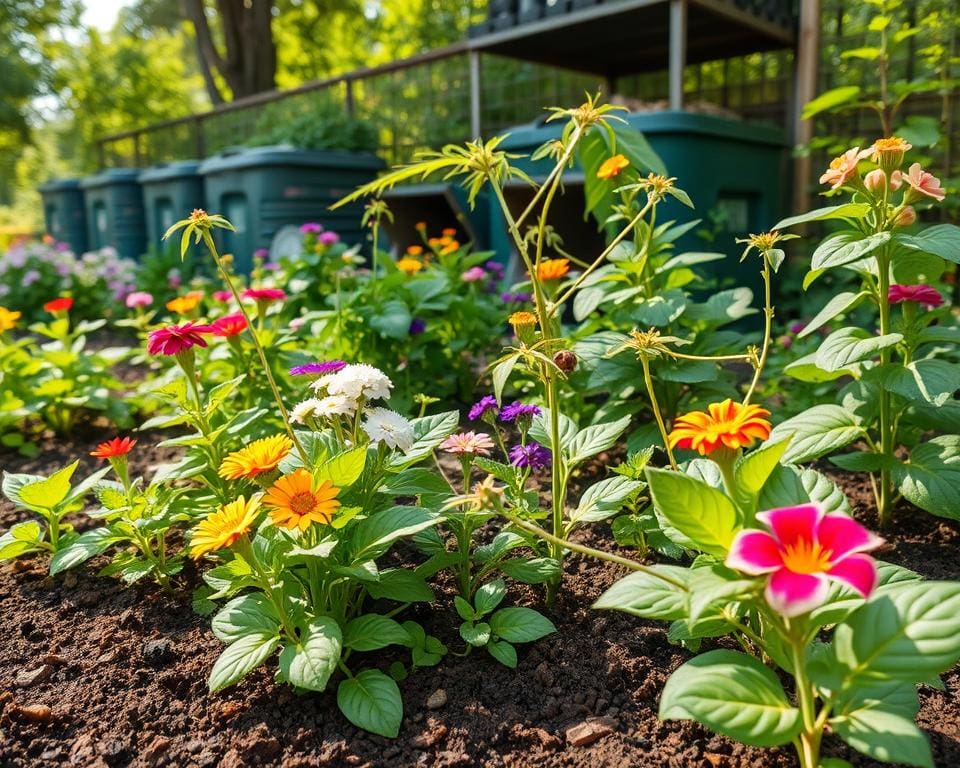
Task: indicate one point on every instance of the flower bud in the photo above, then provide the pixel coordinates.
(906, 217)
(889, 153)
(875, 181)
(524, 326)
(565, 360)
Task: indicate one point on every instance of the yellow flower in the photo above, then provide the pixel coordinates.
(450, 247)
(184, 304)
(889, 152)
(728, 424)
(8, 319)
(260, 456)
(552, 269)
(409, 266)
(415, 250)
(522, 318)
(222, 528)
(612, 167)
(298, 501)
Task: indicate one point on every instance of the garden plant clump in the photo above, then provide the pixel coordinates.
(404, 511)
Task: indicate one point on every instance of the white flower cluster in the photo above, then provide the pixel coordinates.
(356, 381)
(389, 427)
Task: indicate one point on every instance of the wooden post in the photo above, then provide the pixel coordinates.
(475, 125)
(805, 89)
(678, 51)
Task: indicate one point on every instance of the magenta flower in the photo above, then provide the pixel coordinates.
(804, 550)
(222, 296)
(921, 294)
(531, 455)
(485, 405)
(261, 253)
(468, 443)
(139, 299)
(474, 274)
(174, 339)
(311, 228)
(329, 238)
(264, 294)
(317, 369)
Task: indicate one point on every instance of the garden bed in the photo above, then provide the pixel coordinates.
(123, 673)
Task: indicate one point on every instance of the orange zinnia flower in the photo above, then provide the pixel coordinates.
(258, 457)
(222, 528)
(119, 446)
(449, 232)
(727, 424)
(409, 266)
(184, 304)
(298, 501)
(552, 269)
(612, 167)
(415, 250)
(450, 247)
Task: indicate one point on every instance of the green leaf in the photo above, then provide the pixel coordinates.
(503, 652)
(848, 346)
(931, 479)
(240, 658)
(705, 517)
(734, 695)
(489, 596)
(429, 432)
(934, 381)
(603, 499)
(534, 570)
(402, 585)
(413, 482)
(844, 247)
(754, 469)
(245, 615)
(835, 97)
(845, 211)
(393, 321)
(86, 545)
(907, 631)
(941, 240)
(788, 486)
(374, 535)
(344, 469)
(884, 736)
(593, 439)
(47, 493)
(816, 432)
(520, 625)
(21, 539)
(371, 700)
(372, 631)
(840, 304)
(643, 594)
(310, 662)
(476, 635)
(501, 374)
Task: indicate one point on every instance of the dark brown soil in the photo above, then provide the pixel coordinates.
(125, 679)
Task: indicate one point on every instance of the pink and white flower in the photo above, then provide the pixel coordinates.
(844, 167)
(925, 183)
(474, 274)
(468, 443)
(139, 299)
(803, 551)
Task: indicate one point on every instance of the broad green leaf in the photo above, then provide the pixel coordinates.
(789, 486)
(476, 635)
(501, 375)
(603, 499)
(733, 694)
(845, 211)
(374, 535)
(643, 594)
(240, 658)
(816, 432)
(373, 631)
(413, 482)
(503, 652)
(932, 380)
(540, 428)
(402, 585)
(371, 700)
(429, 432)
(46, 494)
(843, 600)
(88, 544)
(941, 240)
(885, 736)
(520, 625)
(835, 97)
(754, 469)
(847, 346)
(931, 479)
(705, 517)
(844, 247)
(344, 469)
(310, 662)
(250, 614)
(806, 369)
(839, 304)
(591, 440)
(21, 539)
(531, 570)
(489, 596)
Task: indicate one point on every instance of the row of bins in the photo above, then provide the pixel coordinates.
(260, 190)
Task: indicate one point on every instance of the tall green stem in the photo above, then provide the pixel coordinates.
(648, 380)
(884, 502)
(809, 746)
(767, 331)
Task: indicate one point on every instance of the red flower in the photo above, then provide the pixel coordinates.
(222, 296)
(119, 446)
(177, 338)
(229, 325)
(921, 294)
(264, 294)
(62, 304)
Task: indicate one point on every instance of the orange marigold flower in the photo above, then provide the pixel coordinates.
(552, 269)
(522, 318)
(450, 247)
(409, 266)
(184, 304)
(420, 226)
(260, 456)
(612, 167)
(119, 446)
(449, 232)
(298, 501)
(8, 319)
(415, 250)
(222, 528)
(727, 424)
(889, 152)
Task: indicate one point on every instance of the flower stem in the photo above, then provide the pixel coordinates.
(648, 380)
(886, 426)
(767, 331)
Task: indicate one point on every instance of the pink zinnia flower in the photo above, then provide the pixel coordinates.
(222, 296)
(804, 550)
(264, 294)
(923, 182)
(921, 294)
(229, 325)
(473, 275)
(311, 228)
(174, 339)
(139, 299)
(843, 168)
(329, 238)
(470, 443)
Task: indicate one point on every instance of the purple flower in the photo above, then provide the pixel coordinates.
(330, 366)
(516, 298)
(796, 327)
(531, 455)
(311, 228)
(329, 238)
(418, 326)
(271, 266)
(484, 405)
(29, 277)
(516, 410)
(261, 253)
(494, 267)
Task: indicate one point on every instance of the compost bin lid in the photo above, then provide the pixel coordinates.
(184, 169)
(286, 156)
(111, 176)
(59, 185)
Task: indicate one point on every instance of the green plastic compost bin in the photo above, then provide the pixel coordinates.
(114, 203)
(736, 174)
(170, 193)
(262, 189)
(64, 214)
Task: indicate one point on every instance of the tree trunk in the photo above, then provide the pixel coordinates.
(248, 59)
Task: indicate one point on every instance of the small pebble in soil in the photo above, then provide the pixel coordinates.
(29, 677)
(33, 713)
(589, 731)
(437, 699)
(157, 652)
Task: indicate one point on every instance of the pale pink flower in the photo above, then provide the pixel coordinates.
(844, 167)
(924, 183)
(139, 299)
(468, 443)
